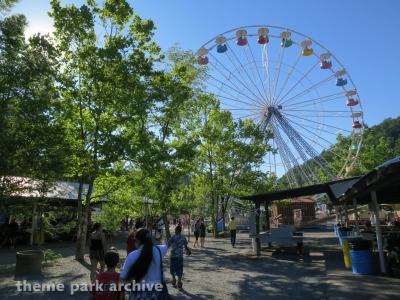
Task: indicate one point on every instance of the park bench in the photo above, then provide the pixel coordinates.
(282, 237)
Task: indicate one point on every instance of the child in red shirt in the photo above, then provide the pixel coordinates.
(106, 286)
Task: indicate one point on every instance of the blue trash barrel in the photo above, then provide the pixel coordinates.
(220, 226)
(362, 260)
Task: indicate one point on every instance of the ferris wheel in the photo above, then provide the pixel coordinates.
(296, 91)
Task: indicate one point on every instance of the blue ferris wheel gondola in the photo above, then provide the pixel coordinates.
(222, 48)
(341, 81)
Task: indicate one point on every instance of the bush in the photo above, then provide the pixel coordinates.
(50, 256)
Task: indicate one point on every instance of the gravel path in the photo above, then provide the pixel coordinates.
(221, 272)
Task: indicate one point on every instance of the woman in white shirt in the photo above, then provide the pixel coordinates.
(143, 267)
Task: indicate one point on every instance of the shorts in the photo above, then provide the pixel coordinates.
(176, 266)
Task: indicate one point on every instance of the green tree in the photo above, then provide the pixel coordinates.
(169, 156)
(230, 157)
(31, 143)
(105, 95)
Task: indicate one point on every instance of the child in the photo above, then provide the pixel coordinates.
(109, 279)
(177, 243)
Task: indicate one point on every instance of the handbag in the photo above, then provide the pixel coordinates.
(163, 295)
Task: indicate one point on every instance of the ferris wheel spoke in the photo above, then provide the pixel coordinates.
(313, 128)
(301, 150)
(236, 108)
(278, 72)
(292, 68)
(327, 116)
(273, 144)
(278, 101)
(319, 123)
(237, 89)
(252, 72)
(239, 72)
(246, 116)
(286, 157)
(244, 69)
(258, 72)
(319, 99)
(321, 113)
(265, 63)
(234, 89)
(319, 138)
(308, 90)
(235, 77)
(297, 167)
(313, 110)
(233, 98)
(305, 150)
(317, 130)
(307, 147)
(312, 132)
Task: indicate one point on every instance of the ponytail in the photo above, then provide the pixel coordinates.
(139, 269)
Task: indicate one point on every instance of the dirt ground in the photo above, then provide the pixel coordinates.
(221, 272)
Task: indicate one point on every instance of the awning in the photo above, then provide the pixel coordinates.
(334, 189)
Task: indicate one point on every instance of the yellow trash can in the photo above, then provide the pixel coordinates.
(346, 254)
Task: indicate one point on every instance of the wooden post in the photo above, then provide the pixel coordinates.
(336, 215)
(346, 216)
(375, 207)
(356, 215)
(258, 242)
(267, 220)
(34, 222)
(268, 226)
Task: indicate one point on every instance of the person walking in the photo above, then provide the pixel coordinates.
(232, 228)
(13, 229)
(177, 243)
(97, 246)
(202, 233)
(196, 233)
(144, 267)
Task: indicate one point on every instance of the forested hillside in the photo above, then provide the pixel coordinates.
(380, 143)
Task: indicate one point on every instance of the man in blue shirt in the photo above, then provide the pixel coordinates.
(177, 243)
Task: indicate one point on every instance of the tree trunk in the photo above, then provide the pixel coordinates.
(224, 206)
(215, 216)
(223, 218)
(83, 225)
(79, 217)
(166, 225)
(189, 224)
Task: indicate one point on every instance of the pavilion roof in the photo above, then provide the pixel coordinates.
(384, 179)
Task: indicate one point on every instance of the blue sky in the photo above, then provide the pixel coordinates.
(362, 34)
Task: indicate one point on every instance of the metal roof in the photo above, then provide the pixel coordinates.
(27, 188)
(384, 179)
(333, 189)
